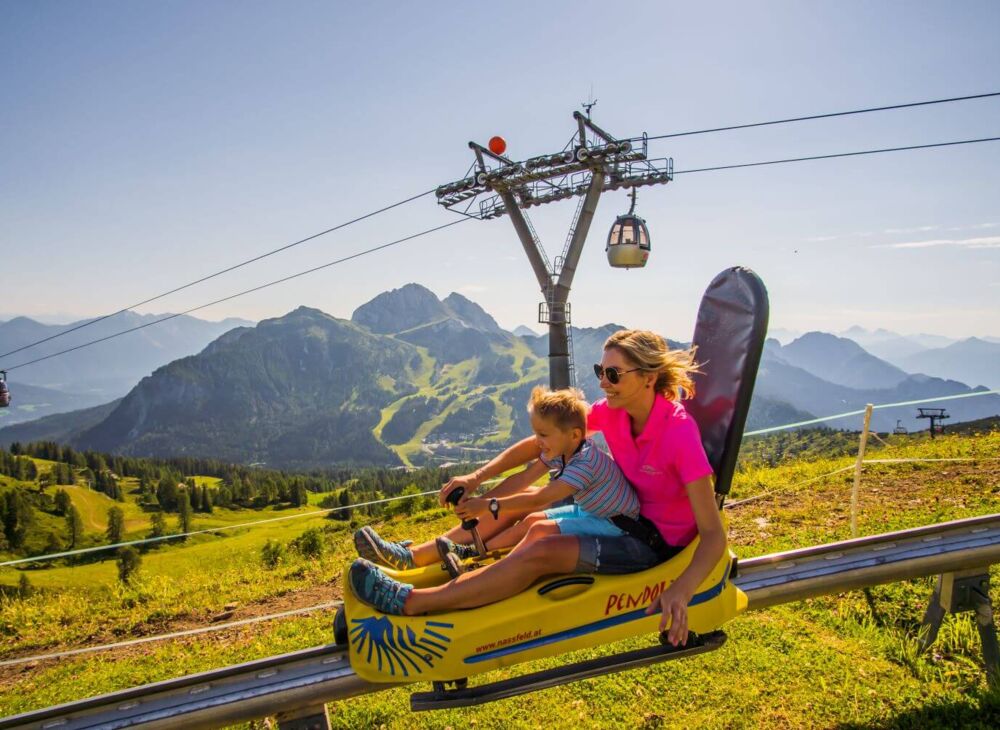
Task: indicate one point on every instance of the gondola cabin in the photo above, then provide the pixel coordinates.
(4, 390)
(628, 242)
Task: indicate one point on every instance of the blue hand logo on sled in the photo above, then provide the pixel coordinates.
(397, 649)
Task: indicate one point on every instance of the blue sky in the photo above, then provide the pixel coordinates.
(143, 145)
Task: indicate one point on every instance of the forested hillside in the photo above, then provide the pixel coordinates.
(415, 380)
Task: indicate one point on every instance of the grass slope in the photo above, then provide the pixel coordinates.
(834, 661)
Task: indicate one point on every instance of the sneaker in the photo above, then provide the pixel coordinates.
(462, 552)
(382, 552)
(453, 565)
(377, 589)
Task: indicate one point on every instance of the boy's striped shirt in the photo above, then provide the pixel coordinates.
(601, 488)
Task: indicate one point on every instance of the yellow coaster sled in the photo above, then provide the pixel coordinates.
(565, 613)
(554, 616)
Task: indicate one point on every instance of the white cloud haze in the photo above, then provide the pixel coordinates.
(983, 242)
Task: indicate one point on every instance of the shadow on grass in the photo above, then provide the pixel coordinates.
(980, 710)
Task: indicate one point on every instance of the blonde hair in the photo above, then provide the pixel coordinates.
(650, 352)
(566, 408)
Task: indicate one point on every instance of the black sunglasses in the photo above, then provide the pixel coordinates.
(613, 374)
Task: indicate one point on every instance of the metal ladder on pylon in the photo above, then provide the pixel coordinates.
(558, 271)
(569, 349)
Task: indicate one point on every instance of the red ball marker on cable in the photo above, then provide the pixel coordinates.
(497, 145)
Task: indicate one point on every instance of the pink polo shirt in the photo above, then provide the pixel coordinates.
(665, 457)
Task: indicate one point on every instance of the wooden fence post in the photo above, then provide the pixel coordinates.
(857, 470)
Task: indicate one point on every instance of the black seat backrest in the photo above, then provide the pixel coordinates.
(729, 334)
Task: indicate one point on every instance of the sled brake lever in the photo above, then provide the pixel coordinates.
(453, 499)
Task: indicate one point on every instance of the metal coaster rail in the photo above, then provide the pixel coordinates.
(299, 683)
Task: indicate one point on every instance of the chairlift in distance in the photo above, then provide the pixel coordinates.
(900, 429)
(628, 242)
(4, 390)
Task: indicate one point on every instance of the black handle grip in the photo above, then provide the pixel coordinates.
(453, 498)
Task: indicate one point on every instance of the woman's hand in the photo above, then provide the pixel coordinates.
(473, 507)
(470, 482)
(673, 604)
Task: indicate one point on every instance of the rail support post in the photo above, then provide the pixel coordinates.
(307, 718)
(965, 591)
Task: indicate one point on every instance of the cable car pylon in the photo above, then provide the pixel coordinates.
(592, 162)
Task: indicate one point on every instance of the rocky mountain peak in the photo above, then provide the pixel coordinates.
(471, 313)
(401, 309)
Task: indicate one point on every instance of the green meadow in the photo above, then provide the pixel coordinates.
(458, 378)
(846, 661)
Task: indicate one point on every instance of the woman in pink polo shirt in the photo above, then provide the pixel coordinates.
(658, 447)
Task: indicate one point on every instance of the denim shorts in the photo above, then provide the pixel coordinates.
(572, 520)
(614, 555)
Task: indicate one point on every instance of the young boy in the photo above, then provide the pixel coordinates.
(584, 472)
(596, 484)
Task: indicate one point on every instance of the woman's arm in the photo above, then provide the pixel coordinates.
(520, 453)
(712, 543)
(518, 482)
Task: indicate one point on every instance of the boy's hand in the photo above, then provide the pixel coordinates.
(473, 507)
(469, 481)
(673, 603)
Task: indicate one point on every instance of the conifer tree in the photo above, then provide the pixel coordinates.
(18, 516)
(54, 544)
(128, 563)
(194, 494)
(166, 492)
(345, 500)
(26, 470)
(24, 588)
(159, 525)
(62, 502)
(116, 525)
(183, 512)
(74, 526)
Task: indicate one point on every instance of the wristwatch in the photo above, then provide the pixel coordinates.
(495, 508)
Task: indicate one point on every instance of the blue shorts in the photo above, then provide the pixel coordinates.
(604, 548)
(572, 520)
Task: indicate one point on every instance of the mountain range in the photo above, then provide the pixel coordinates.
(973, 360)
(413, 379)
(93, 375)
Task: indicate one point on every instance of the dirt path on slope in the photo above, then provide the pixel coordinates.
(290, 601)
